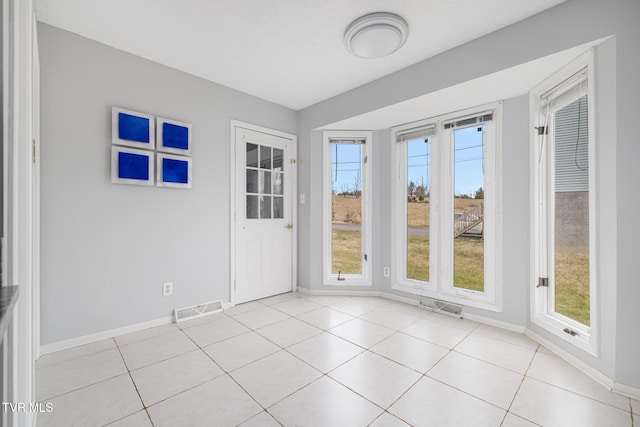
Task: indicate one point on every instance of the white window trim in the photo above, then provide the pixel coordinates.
(364, 279)
(441, 274)
(399, 213)
(587, 340)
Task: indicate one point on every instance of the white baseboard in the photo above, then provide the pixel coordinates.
(345, 293)
(88, 339)
(572, 360)
(493, 322)
(626, 390)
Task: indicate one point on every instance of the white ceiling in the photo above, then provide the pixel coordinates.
(286, 51)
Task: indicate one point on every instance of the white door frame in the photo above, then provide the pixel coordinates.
(21, 199)
(233, 125)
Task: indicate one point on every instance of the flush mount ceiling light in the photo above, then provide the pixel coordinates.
(376, 35)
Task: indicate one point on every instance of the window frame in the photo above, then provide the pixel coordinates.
(400, 281)
(542, 310)
(365, 278)
(441, 284)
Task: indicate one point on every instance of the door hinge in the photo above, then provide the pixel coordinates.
(293, 161)
(542, 130)
(365, 257)
(543, 281)
(365, 159)
(571, 332)
(33, 150)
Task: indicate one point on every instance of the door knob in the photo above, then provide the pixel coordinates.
(288, 226)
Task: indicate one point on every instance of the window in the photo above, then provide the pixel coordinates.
(347, 234)
(446, 208)
(563, 174)
(415, 191)
(264, 193)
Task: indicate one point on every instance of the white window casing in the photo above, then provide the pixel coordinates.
(441, 225)
(346, 137)
(563, 88)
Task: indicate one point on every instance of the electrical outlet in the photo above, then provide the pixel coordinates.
(387, 271)
(167, 289)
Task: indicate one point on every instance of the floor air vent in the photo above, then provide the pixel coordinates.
(195, 311)
(439, 306)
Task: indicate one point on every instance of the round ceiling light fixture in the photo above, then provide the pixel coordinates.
(376, 35)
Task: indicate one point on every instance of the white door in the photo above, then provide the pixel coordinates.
(264, 215)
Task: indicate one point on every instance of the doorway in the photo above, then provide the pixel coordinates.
(263, 212)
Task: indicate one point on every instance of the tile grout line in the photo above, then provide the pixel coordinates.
(228, 374)
(524, 376)
(135, 386)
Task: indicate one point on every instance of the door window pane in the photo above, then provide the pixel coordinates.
(252, 207)
(252, 155)
(571, 216)
(346, 208)
(252, 181)
(265, 182)
(468, 208)
(265, 206)
(277, 159)
(418, 214)
(277, 179)
(278, 207)
(265, 157)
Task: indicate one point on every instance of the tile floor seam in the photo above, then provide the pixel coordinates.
(266, 412)
(228, 373)
(577, 394)
(148, 338)
(466, 392)
(405, 392)
(213, 320)
(370, 349)
(77, 357)
(390, 414)
(291, 394)
(135, 386)
(439, 360)
(354, 391)
(515, 395)
(490, 363)
(81, 388)
(509, 342)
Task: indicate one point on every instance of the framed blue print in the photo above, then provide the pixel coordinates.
(132, 129)
(174, 171)
(132, 166)
(174, 137)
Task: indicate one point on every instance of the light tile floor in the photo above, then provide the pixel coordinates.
(300, 360)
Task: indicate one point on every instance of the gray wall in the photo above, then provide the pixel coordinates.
(617, 62)
(107, 248)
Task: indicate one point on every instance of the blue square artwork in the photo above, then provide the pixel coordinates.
(133, 128)
(133, 166)
(176, 171)
(175, 136)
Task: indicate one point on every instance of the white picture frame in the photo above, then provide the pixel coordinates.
(132, 129)
(174, 136)
(174, 171)
(132, 166)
